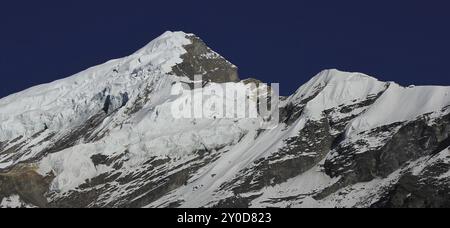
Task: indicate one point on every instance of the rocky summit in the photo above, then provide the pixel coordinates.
(107, 137)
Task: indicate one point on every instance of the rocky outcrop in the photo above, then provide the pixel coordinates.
(423, 186)
(405, 142)
(300, 153)
(25, 182)
(201, 60)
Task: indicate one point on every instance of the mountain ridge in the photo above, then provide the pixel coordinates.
(106, 137)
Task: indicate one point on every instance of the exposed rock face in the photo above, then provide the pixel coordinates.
(408, 141)
(107, 137)
(27, 184)
(201, 60)
(426, 188)
(300, 153)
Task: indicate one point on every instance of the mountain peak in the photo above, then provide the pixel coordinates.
(200, 59)
(335, 75)
(338, 84)
(109, 137)
(165, 40)
(187, 55)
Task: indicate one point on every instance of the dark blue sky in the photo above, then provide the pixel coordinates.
(276, 41)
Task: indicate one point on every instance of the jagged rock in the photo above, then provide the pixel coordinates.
(201, 60)
(25, 182)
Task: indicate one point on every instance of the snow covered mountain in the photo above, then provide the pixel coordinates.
(107, 137)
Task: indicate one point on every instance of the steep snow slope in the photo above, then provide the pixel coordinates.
(412, 102)
(107, 137)
(328, 90)
(70, 101)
